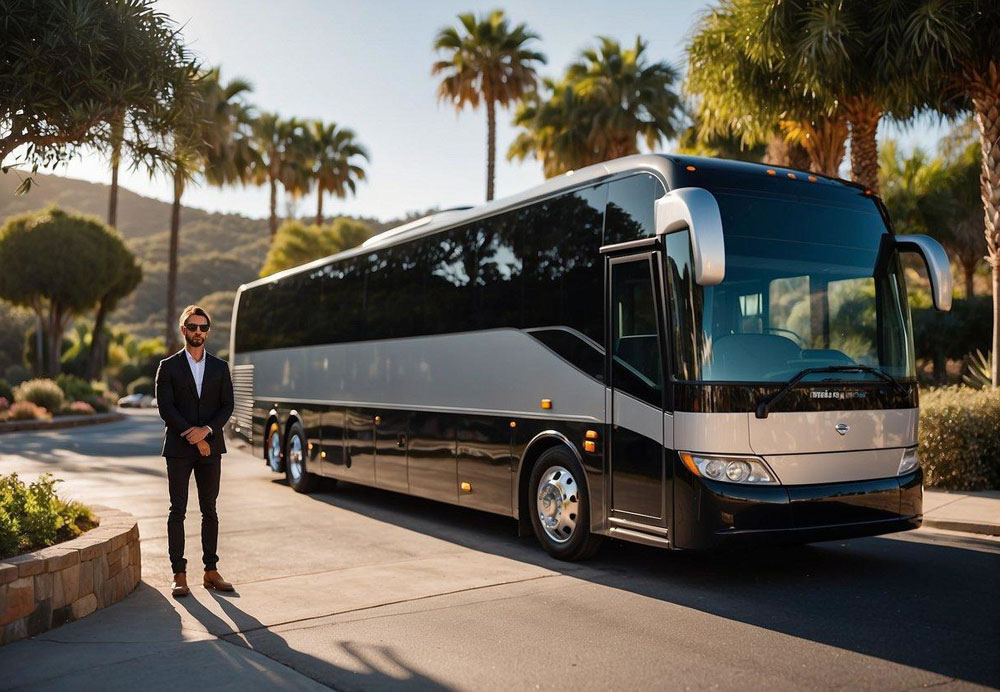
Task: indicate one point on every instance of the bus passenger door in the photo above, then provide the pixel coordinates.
(637, 459)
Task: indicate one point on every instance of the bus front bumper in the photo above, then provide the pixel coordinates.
(711, 513)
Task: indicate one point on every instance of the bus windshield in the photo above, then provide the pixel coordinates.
(808, 285)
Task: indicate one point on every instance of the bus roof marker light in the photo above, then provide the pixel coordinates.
(791, 176)
(690, 168)
(770, 171)
(813, 179)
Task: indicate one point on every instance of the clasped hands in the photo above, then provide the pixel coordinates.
(196, 436)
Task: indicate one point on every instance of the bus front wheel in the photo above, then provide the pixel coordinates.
(560, 506)
(295, 461)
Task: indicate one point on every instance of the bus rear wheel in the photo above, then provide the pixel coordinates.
(295, 461)
(273, 446)
(560, 506)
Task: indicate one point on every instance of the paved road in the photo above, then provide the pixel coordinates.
(363, 589)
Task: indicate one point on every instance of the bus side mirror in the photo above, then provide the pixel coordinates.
(938, 266)
(695, 208)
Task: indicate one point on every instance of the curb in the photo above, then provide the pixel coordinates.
(68, 581)
(61, 422)
(983, 528)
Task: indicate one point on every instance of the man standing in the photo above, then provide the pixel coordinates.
(194, 394)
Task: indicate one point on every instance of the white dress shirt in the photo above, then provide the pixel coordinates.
(198, 370)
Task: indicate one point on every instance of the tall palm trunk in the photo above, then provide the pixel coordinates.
(824, 141)
(986, 103)
(491, 145)
(781, 152)
(274, 206)
(863, 115)
(175, 227)
(319, 207)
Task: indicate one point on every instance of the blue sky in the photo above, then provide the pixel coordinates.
(366, 65)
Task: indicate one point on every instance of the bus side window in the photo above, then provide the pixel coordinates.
(630, 208)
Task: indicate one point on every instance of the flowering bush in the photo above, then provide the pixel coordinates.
(80, 408)
(41, 391)
(25, 410)
(960, 438)
(4, 404)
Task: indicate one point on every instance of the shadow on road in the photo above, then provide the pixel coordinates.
(370, 663)
(917, 603)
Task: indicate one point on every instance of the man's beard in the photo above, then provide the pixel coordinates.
(194, 339)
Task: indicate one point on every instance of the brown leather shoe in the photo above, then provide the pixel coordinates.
(180, 585)
(214, 580)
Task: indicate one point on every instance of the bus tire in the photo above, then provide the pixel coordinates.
(559, 504)
(295, 461)
(272, 447)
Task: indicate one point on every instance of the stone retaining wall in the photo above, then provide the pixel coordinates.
(59, 422)
(68, 581)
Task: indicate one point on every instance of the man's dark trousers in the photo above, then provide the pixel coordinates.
(207, 471)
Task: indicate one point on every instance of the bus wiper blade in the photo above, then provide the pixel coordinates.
(765, 404)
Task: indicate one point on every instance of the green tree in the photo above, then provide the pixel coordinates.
(120, 263)
(334, 152)
(51, 261)
(954, 47)
(759, 100)
(280, 154)
(296, 243)
(487, 61)
(937, 197)
(606, 101)
(213, 142)
(72, 70)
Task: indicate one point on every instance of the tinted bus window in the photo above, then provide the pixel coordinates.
(630, 208)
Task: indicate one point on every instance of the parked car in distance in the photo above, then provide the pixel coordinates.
(137, 401)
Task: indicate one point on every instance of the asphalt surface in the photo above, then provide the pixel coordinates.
(356, 588)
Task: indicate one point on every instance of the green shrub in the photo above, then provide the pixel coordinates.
(141, 385)
(32, 516)
(75, 388)
(25, 410)
(42, 392)
(960, 438)
(79, 408)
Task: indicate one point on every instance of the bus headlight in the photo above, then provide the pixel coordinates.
(729, 469)
(909, 461)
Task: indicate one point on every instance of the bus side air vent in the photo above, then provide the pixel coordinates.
(243, 400)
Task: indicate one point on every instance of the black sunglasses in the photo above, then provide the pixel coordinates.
(196, 327)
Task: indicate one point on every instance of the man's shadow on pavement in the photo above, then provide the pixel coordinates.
(252, 634)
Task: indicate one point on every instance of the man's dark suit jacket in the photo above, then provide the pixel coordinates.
(181, 408)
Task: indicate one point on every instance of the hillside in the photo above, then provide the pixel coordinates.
(218, 252)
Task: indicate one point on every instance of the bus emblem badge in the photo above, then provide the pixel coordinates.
(842, 428)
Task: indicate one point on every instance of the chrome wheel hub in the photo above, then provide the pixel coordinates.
(274, 450)
(558, 503)
(295, 465)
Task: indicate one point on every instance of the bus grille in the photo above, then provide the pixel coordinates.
(243, 400)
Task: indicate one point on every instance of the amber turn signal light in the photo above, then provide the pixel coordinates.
(546, 403)
(589, 446)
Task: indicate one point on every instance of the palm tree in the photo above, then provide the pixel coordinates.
(215, 143)
(333, 149)
(628, 97)
(598, 111)
(485, 60)
(955, 49)
(759, 100)
(280, 158)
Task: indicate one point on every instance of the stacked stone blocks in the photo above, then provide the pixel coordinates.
(68, 581)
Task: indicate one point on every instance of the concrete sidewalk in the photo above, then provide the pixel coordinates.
(971, 512)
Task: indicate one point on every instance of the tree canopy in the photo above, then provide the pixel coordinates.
(296, 243)
(79, 67)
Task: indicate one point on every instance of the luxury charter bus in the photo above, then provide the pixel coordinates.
(676, 351)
